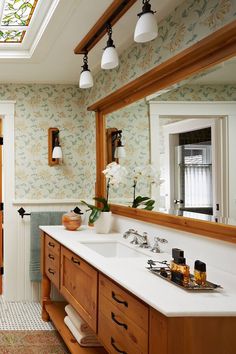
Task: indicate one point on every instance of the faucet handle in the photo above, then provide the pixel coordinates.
(157, 243)
(161, 240)
(134, 241)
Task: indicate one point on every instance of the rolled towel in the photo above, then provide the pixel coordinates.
(85, 340)
(80, 325)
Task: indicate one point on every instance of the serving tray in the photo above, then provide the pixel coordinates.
(162, 270)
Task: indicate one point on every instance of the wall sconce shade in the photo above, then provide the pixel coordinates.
(120, 152)
(110, 58)
(86, 79)
(54, 148)
(57, 152)
(146, 28)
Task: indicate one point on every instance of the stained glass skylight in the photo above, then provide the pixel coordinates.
(15, 19)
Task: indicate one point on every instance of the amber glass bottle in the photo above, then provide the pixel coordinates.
(200, 273)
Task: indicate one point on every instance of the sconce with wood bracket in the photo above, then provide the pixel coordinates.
(115, 149)
(54, 148)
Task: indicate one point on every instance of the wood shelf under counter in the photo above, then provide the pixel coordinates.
(57, 313)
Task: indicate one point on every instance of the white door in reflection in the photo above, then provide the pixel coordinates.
(193, 177)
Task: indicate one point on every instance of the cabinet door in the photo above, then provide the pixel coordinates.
(79, 286)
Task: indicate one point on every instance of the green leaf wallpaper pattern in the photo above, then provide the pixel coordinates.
(39, 107)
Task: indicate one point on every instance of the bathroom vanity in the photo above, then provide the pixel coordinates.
(131, 310)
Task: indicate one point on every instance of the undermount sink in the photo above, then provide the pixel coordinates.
(113, 249)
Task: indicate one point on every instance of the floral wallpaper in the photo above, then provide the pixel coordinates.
(39, 107)
(134, 123)
(200, 93)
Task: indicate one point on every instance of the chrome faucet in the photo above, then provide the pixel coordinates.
(141, 240)
(156, 246)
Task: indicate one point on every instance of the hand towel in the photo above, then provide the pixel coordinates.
(83, 339)
(80, 325)
(36, 219)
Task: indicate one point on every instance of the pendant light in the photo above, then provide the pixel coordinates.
(146, 28)
(86, 79)
(110, 58)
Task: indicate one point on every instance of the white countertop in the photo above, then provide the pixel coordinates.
(131, 273)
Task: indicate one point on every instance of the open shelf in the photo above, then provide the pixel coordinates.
(57, 313)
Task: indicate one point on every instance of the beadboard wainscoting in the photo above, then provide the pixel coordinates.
(17, 285)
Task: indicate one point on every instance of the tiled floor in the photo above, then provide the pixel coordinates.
(22, 316)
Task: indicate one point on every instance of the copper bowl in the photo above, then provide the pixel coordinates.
(71, 221)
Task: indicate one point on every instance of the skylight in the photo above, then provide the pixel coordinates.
(15, 18)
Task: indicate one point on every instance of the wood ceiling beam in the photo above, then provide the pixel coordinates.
(113, 13)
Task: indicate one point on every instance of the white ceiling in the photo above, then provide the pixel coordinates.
(54, 61)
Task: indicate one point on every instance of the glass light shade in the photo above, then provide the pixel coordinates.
(110, 58)
(146, 28)
(57, 152)
(120, 152)
(86, 79)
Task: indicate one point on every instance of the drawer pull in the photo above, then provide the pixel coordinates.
(115, 347)
(125, 303)
(51, 244)
(113, 317)
(51, 256)
(51, 271)
(76, 261)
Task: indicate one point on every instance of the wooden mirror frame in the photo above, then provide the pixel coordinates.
(211, 50)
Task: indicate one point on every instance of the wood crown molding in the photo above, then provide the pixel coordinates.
(211, 50)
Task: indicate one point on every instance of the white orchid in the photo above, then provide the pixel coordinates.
(114, 172)
(152, 176)
(149, 173)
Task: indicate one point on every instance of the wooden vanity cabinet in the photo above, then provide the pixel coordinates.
(122, 319)
(79, 283)
(124, 323)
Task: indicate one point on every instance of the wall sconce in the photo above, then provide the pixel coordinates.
(54, 148)
(115, 148)
(146, 28)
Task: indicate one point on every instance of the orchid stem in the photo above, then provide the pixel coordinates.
(134, 194)
(108, 187)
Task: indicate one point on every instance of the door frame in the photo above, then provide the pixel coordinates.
(188, 123)
(7, 112)
(190, 109)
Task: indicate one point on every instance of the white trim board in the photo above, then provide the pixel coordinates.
(7, 111)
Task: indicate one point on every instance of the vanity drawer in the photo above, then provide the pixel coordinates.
(129, 305)
(78, 285)
(52, 268)
(115, 327)
(52, 259)
(52, 245)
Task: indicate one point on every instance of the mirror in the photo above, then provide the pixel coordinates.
(187, 133)
(206, 53)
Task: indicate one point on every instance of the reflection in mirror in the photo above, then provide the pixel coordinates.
(186, 132)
